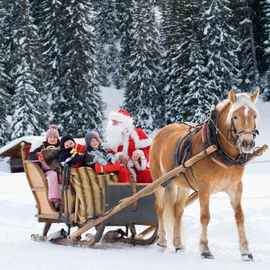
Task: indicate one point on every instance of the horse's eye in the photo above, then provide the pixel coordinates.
(255, 116)
(235, 117)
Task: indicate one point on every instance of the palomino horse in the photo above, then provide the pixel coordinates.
(232, 127)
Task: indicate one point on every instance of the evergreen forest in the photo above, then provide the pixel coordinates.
(170, 58)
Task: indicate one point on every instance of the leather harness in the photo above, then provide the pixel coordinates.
(180, 156)
(209, 137)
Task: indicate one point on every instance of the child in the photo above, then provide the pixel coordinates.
(95, 152)
(51, 141)
(71, 152)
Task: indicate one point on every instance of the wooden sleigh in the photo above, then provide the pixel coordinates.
(108, 194)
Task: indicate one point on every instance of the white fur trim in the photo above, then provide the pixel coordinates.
(142, 166)
(121, 118)
(139, 143)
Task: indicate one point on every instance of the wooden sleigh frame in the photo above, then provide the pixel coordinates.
(112, 193)
(116, 210)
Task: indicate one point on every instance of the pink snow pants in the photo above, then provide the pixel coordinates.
(53, 192)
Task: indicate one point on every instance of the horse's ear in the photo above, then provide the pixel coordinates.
(232, 96)
(254, 96)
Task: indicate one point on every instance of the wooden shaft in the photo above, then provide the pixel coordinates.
(147, 190)
(148, 230)
(258, 151)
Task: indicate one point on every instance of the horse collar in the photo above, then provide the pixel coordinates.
(210, 137)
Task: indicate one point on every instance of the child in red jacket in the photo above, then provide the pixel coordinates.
(71, 152)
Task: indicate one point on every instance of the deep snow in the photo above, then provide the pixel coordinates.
(17, 223)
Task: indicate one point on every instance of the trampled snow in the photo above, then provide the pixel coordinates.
(17, 223)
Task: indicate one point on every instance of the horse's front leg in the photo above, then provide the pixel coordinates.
(204, 198)
(159, 206)
(235, 198)
(179, 207)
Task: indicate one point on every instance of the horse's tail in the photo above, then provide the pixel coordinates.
(170, 197)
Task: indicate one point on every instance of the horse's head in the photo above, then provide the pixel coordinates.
(241, 120)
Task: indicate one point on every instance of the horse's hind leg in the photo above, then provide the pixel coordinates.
(235, 198)
(159, 205)
(204, 198)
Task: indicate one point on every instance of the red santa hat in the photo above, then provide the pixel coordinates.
(122, 117)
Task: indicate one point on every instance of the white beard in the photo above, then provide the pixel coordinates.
(116, 135)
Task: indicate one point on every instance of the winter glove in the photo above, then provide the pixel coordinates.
(102, 161)
(112, 159)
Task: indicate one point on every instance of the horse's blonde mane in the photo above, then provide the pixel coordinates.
(243, 99)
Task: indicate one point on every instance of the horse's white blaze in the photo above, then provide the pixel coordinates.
(246, 114)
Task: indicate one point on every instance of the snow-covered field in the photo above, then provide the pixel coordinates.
(17, 223)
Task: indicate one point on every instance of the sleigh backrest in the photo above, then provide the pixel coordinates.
(39, 187)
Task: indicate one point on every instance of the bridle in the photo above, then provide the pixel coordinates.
(254, 131)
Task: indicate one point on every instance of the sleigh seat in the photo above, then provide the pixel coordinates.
(37, 181)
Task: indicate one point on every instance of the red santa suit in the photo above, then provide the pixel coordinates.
(133, 140)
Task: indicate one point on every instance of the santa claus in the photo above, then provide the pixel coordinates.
(130, 146)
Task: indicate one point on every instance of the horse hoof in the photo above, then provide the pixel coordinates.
(179, 249)
(162, 246)
(247, 257)
(207, 255)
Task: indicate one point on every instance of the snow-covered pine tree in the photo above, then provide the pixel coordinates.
(242, 22)
(265, 45)
(141, 92)
(114, 57)
(26, 115)
(123, 24)
(195, 102)
(7, 24)
(77, 103)
(3, 82)
(50, 20)
(3, 107)
(172, 62)
(107, 44)
(219, 45)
